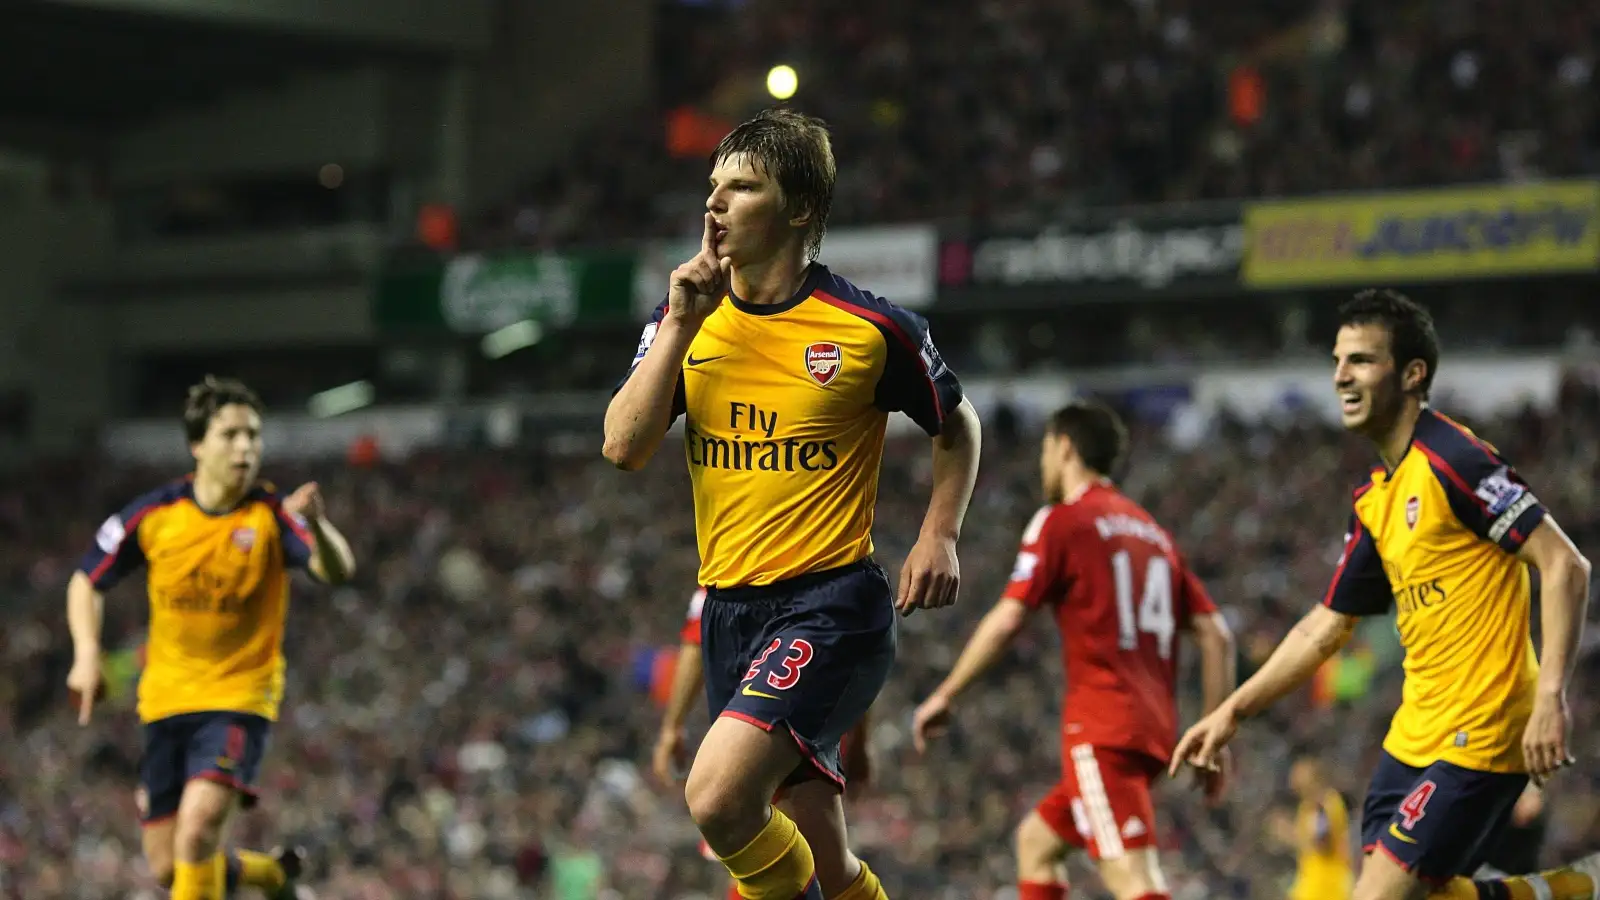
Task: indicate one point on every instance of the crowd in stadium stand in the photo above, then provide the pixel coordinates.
(467, 720)
(943, 108)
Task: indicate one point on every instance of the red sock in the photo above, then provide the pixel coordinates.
(733, 892)
(1033, 890)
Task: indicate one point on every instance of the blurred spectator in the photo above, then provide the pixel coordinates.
(464, 723)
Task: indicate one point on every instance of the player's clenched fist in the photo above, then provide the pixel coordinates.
(668, 757)
(1544, 741)
(930, 578)
(699, 285)
(305, 502)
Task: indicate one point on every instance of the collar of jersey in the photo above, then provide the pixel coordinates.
(807, 288)
(1426, 414)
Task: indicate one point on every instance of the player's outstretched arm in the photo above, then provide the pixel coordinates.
(931, 576)
(1314, 639)
(688, 676)
(1564, 582)
(639, 414)
(85, 618)
(995, 633)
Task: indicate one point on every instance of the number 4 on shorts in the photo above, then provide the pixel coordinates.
(1416, 805)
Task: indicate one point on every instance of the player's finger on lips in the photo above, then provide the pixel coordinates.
(708, 237)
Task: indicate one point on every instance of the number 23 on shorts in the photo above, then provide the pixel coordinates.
(797, 657)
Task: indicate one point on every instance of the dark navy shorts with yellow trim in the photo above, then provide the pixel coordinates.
(225, 747)
(808, 654)
(1440, 821)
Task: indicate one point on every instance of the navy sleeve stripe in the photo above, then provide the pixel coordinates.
(1474, 440)
(889, 326)
(1344, 559)
(1444, 468)
(130, 531)
(299, 530)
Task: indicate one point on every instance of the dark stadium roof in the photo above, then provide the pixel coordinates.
(74, 76)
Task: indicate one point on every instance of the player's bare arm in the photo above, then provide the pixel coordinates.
(999, 627)
(1564, 579)
(1219, 675)
(332, 560)
(638, 416)
(931, 576)
(687, 679)
(1312, 641)
(85, 615)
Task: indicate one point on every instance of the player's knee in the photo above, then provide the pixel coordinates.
(1134, 873)
(717, 805)
(1037, 842)
(161, 870)
(199, 833)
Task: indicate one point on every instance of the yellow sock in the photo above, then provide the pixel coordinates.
(865, 887)
(199, 881)
(259, 870)
(776, 865)
(1556, 884)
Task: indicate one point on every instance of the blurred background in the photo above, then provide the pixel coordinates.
(428, 233)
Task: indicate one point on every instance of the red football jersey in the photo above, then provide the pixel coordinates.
(691, 623)
(1120, 592)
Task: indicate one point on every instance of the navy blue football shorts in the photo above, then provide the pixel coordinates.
(225, 747)
(1440, 821)
(807, 655)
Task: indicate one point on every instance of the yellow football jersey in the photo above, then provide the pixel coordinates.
(1436, 539)
(786, 406)
(218, 585)
(1322, 834)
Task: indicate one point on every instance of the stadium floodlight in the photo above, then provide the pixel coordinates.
(342, 399)
(782, 82)
(508, 340)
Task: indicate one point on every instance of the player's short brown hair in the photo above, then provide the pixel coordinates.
(1096, 432)
(207, 397)
(1410, 325)
(795, 151)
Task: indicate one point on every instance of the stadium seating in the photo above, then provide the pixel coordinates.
(464, 721)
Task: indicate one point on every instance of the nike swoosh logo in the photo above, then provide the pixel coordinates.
(704, 359)
(752, 692)
(1394, 831)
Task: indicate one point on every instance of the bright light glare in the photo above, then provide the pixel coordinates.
(510, 339)
(782, 82)
(340, 400)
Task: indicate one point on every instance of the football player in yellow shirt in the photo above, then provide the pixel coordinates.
(1444, 532)
(1322, 836)
(786, 374)
(217, 548)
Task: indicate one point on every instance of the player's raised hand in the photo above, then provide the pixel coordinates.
(699, 285)
(1544, 741)
(931, 576)
(668, 758)
(84, 684)
(305, 502)
(1203, 744)
(931, 718)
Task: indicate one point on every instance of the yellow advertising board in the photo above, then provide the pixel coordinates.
(1453, 233)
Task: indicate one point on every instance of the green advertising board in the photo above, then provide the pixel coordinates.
(476, 293)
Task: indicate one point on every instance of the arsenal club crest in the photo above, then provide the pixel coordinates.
(244, 538)
(823, 361)
(1413, 507)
